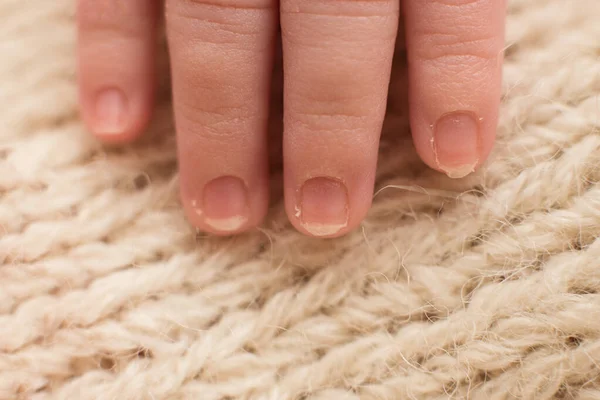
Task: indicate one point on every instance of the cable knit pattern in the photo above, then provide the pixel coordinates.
(486, 287)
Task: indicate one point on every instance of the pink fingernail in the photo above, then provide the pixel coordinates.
(225, 204)
(323, 206)
(456, 144)
(110, 113)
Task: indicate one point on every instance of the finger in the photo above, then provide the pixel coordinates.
(116, 46)
(221, 57)
(455, 57)
(337, 61)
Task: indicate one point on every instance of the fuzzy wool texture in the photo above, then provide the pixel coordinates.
(486, 287)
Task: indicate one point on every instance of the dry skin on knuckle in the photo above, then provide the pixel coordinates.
(340, 8)
(455, 48)
(195, 5)
(457, 30)
(225, 115)
(327, 101)
(230, 14)
(215, 30)
(337, 63)
(335, 81)
(325, 121)
(212, 92)
(235, 24)
(215, 120)
(217, 54)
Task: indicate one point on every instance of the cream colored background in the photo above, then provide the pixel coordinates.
(484, 288)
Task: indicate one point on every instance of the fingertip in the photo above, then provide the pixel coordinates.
(116, 47)
(454, 63)
(225, 206)
(115, 117)
(323, 207)
(457, 144)
(326, 208)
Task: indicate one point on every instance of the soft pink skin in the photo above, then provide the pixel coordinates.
(116, 51)
(455, 50)
(337, 60)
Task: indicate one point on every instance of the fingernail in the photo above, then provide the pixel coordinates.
(111, 111)
(456, 144)
(225, 204)
(323, 206)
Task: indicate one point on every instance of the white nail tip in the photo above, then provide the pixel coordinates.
(323, 229)
(228, 224)
(460, 171)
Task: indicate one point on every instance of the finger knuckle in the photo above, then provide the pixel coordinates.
(194, 8)
(215, 120)
(458, 29)
(448, 48)
(341, 8)
(236, 22)
(476, 43)
(328, 114)
(334, 98)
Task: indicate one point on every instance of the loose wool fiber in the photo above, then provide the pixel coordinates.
(486, 287)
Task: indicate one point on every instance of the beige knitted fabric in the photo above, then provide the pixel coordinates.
(481, 288)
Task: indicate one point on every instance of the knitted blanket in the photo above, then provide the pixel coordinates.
(486, 287)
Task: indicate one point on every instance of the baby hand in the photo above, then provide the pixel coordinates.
(337, 60)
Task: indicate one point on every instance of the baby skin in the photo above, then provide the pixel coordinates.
(337, 57)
